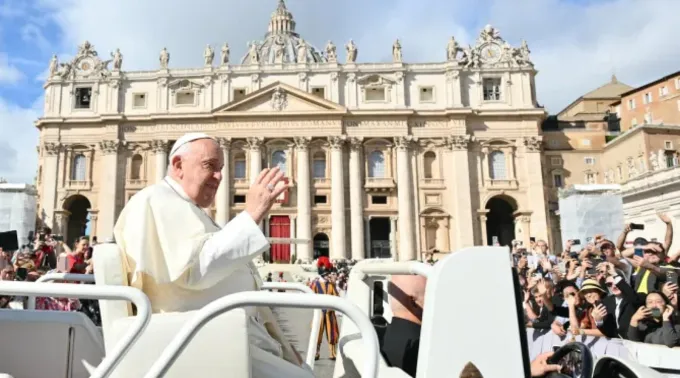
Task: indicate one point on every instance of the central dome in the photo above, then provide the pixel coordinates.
(282, 44)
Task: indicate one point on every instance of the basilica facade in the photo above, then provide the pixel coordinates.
(383, 159)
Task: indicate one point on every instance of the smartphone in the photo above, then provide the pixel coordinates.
(58, 237)
(672, 276)
(639, 252)
(21, 274)
(41, 237)
(576, 242)
(637, 226)
(656, 313)
(556, 348)
(597, 303)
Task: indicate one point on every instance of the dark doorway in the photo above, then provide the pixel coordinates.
(500, 221)
(380, 238)
(77, 222)
(320, 246)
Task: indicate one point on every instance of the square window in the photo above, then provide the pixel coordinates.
(492, 89)
(585, 142)
(555, 161)
(375, 94)
(320, 200)
(379, 200)
(185, 98)
(426, 94)
(239, 198)
(139, 100)
(319, 92)
(83, 97)
(589, 160)
(238, 94)
(647, 98)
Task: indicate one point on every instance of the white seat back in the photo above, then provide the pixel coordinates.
(468, 320)
(219, 348)
(45, 343)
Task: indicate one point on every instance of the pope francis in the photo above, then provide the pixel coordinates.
(183, 260)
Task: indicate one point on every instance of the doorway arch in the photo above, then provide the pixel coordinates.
(500, 221)
(77, 205)
(321, 245)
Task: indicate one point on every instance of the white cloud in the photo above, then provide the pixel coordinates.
(576, 47)
(18, 162)
(9, 73)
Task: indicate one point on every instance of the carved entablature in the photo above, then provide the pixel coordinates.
(52, 148)
(185, 85)
(459, 142)
(110, 146)
(404, 142)
(356, 143)
(533, 144)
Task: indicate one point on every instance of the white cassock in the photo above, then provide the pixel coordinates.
(181, 259)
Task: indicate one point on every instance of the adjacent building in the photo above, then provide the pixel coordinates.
(383, 158)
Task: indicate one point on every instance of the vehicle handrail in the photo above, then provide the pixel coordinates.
(316, 320)
(405, 268)
(245, 299)
(61, 290)
(30, 305)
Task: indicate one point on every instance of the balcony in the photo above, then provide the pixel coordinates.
(136, 183)
(241, 183)
(501, 184)
(432, 183)
(322, 182)
(78, 184)
(379, 184)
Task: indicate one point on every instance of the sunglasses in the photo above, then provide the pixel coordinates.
(609, 284)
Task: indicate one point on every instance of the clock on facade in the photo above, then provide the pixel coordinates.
(490, 53)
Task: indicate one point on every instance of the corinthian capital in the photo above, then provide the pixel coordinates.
(159, 146)
(336, 142)
(52, 148)
(403, 142)
(255, 143)
(301, 143)
(533, 144)
(225, 143)
(110, 146)
(459, 142)
(356, 143)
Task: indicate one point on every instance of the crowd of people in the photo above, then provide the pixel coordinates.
(47, 253)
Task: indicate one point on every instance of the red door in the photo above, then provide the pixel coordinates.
(279, 227)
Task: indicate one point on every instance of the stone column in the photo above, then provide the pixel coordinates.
(293, 234)
(393, 236)
(535, 189)
(407, 245)
(255, 148)
(50, 170)
(458, 187)
(222, 199)
(356, 200)
(304, 199)
(367, 235)
(61, 223)
(160, 150)
(338, 248)
(108, 188)
(482, 224)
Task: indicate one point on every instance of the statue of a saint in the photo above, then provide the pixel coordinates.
(225, 54)
(352, 52)
(117, 60)
(524, 54)
(54, 65)
(278, 51)
(331, 52)
(209, 55)
(302, 51)
(253, 54)
(396, 52)
(489, 33)
(452, 49)
(164, 58)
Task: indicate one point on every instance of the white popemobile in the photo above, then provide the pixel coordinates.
(213, 342)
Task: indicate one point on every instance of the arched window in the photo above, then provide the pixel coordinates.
(376, 164)
(136, 167)
(78, 171)
(319, 165)
(430, 164)
(240, 166)
(497, 169)
(279, 160)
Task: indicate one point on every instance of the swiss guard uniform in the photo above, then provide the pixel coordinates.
(329, 322)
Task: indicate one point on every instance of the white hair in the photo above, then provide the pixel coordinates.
(181, 151)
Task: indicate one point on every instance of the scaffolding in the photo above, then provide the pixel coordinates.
(18, 209)
(587, 210)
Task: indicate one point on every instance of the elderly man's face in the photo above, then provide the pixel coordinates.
(200, 171)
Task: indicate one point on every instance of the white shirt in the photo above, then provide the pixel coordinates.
(617, 312)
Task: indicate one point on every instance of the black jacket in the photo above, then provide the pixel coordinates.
(630, 302)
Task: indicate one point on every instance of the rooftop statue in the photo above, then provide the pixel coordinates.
(352, 52)
(225, 54)
(302, 51)
(452, 49)
(396, 52)
(164, 58)
(117, 60)
(331, 52)
(54, 65)
(209, 55)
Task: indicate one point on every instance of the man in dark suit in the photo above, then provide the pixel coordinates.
(402, 336)
(614, 318)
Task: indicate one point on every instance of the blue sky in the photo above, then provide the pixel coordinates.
(576, 44)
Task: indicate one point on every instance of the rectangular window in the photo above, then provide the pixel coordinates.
(83, 97)
(667, 145)
(677, 83)
(631, 104)
(320, 200)
(240, 169)
(590, 178)
(238, 94)
(426, 94)
(585, 142)
(185, 98)
(647, 98)
(557, 180)
(319, 92)
(319, 168)
(663, 91)
(379, 200)
(239, 198)
(139, 100)
(375, 94)
(589, 160)
(492, 89)
(555, 161)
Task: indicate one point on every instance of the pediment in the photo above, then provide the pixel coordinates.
(280, 98)
(185, 84)
(375, 80)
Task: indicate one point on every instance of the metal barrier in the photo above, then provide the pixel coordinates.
(395, 268)
(141, 301)
(30, 303)
(316, 320)
(245, 299)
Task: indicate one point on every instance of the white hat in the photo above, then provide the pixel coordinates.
(188, 138)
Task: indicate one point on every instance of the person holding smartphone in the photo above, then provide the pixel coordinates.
(654, 323)
(76, 258)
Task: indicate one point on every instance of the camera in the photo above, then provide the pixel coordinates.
(637, 226)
